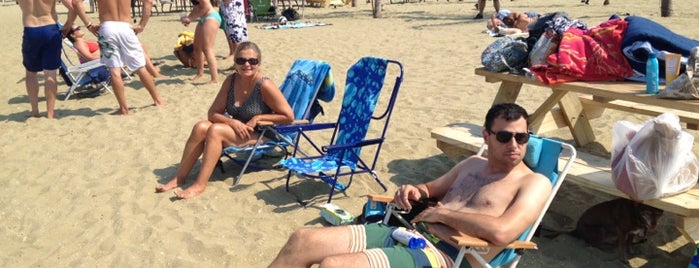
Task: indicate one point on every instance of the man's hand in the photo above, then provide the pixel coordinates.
(137, 28)
(430, 214)
(93, 28)
(404, 194)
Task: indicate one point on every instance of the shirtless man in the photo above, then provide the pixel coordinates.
(41, 50)
(495, 199)
(119, 46)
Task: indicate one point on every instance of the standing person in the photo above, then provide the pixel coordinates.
(204, 36)
(236, 29)
(481, 7)
(119, 46)
(41, 50)
(245, 98)
(494, 198)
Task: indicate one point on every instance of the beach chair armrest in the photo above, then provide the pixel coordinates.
(380, 198)
(460, 239)
(304, 127)
(339, 147)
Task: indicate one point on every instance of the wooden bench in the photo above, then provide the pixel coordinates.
(573, 104)
(588, 170)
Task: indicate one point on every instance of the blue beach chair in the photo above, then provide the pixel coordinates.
(342, 155)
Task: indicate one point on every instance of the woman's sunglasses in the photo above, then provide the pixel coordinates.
(506, 136)
(242, 61)
(73, 30)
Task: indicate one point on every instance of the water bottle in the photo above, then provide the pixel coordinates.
(411, 240)
(652, 74)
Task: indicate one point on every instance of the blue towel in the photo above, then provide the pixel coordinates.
(299, 86)
(659, 37)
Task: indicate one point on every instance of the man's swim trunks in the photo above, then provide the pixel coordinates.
(41, 48)
(119, 46)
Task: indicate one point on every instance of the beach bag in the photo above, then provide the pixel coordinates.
(506, 53)
(653, 160)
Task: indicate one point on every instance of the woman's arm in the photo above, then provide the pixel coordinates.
(273, 97)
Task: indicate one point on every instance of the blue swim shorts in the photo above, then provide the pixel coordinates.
(41, 48)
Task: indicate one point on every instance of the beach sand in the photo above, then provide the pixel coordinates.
(78, 191)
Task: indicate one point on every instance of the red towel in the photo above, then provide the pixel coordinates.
(587, 55)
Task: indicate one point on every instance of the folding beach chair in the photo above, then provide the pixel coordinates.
(306, 82)
(543, 156)
(342, 156)
(88, 73)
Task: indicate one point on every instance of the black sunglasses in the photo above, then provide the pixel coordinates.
(73, 30)
(506, 136)
(242, 61)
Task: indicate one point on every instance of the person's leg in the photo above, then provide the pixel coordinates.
(231, 49)
(149, 83)
(481, 7)
(50, 91)
(308, 246)
(31, 82)
(118, 88)
(210, 28)
(193, 148)
(149, 63)
(198, 54)
(496, 4)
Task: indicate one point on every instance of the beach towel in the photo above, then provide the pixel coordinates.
(293, 25)
(587, 55)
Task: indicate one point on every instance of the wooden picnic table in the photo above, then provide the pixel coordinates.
(573, 104)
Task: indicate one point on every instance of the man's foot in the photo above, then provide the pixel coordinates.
(159, 102)
(172, 184)
(34, 114)
(478, 17)
(190, 192)
(196, 77)
(121, 112)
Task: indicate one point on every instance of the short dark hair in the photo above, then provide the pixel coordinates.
(508, 111)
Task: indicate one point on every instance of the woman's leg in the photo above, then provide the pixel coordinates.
(209, 30)
(217, 136)
(198, 54)
(192, 150)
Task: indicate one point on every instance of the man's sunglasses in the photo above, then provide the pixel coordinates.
(506, 136)
(242, 61)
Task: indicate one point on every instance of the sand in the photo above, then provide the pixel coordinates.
(78, 191)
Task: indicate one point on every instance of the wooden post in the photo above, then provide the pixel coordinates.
(377, 9)
(666, 8)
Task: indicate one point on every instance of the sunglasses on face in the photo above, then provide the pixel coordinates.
(506, 136)
(73, 30)
(242, 61)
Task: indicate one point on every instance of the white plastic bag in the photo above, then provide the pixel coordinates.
(653, 160)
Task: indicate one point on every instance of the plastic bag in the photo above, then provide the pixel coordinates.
(653, 160)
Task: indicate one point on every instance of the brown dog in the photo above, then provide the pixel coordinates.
(587, 2)
(620, 221)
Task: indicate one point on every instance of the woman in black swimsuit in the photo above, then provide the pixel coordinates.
(245, 98)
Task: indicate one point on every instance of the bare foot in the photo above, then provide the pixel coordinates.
(120, 112)
(172, 184)
(160, 102)
(190, 192)
(212, 82)
(34, 114)
(196, 77)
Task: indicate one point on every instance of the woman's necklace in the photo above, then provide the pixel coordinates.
(248, 86)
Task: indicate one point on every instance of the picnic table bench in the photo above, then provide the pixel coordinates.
(588, 170)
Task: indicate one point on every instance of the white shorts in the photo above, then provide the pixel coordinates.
(119, 46)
